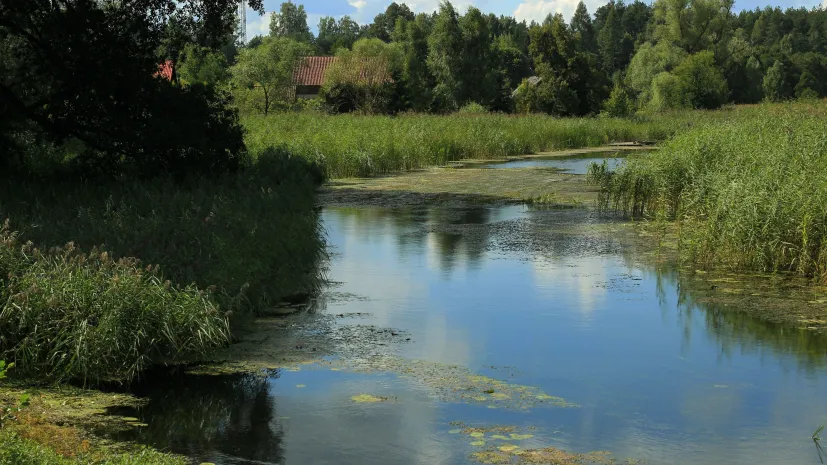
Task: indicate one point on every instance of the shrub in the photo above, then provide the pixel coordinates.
(73, 315)
(472, 108)
(619, 104)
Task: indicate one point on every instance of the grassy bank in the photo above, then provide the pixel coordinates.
(351, 145)
(149, 270)
(749, 192)
(252, 236)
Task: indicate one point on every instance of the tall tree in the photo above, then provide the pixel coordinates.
(291, 22)
(581, 25)
(479, 65)
(384, 24)
(610, 40)
(693, 25)
(445, 46)
(415, 77)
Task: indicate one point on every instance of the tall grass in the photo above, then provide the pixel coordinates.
(253, 236)
(750, 192)
(353, 145)
(65, 314)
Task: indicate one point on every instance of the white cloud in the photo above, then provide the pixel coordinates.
(258, 25)
(358, 4)
(537, 10)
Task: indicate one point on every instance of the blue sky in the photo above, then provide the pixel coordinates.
(363, 11)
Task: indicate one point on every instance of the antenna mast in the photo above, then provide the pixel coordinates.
(242, 22)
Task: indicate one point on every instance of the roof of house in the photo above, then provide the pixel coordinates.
(166, 69)
(311, 71)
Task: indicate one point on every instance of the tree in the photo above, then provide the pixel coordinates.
(610, 41)
(693, 25)
(384, 24)
(202, 65)
(291, 22)
(620, 104)
(85, 70)
(362, 79)
(650, 61)
(264, 75)
(445, 61)
(581, 25)
(701, 82)
(416, 80)
(478, 62)
(777, 85)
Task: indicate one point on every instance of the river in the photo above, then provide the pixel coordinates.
(507, 328)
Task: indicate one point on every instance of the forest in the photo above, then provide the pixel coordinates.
(620, 59)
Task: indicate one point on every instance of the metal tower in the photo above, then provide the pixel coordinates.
(242, 22)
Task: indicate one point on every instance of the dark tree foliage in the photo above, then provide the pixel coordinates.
(86, 70)
(384, 24)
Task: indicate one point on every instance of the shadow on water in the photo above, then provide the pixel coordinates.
(196, 415)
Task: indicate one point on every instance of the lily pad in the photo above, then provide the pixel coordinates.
(508, 448)
(500, 437)
(454, 431)
(300, 385)
(478, 443)
(520, 437)
(477, 434)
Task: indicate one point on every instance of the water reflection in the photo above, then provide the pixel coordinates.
(211, 418)
(558, 300)
(573, 164)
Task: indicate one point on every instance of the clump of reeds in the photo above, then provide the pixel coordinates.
(67, 314)
(750, 192)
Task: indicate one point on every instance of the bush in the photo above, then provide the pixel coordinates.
(72, 315)
(703, 85)
(472, 108)
(619, 103)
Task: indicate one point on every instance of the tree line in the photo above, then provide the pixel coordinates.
(621, 59)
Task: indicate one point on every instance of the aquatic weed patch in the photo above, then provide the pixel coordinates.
(454, 383)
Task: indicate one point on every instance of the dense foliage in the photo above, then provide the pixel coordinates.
(85, 70)
(670, 54)
(750, 191)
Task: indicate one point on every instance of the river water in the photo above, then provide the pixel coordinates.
(573, 164)
(551, 303)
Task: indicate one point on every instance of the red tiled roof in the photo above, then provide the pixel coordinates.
(166, 69)
(311, 71)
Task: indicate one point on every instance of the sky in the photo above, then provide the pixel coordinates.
(363, 11)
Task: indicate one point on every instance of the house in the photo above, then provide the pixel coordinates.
(308, 77)
(166, 70)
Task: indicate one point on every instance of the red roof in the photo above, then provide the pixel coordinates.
(311, 71)
(166, 69)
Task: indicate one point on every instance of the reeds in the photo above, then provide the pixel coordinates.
(66, 314)
(750, 191)
(253, 236)
(353, 145)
